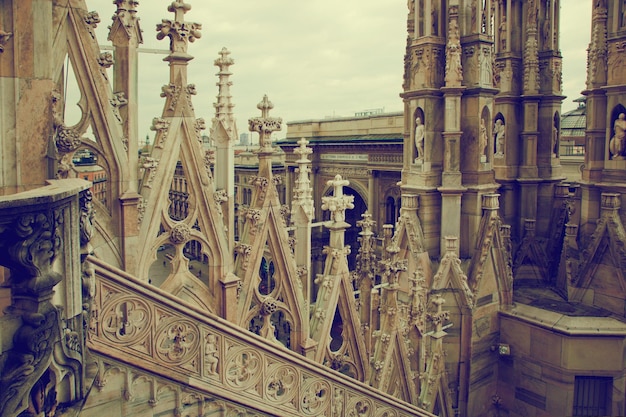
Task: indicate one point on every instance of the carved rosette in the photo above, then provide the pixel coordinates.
(360, 406)
(180, 234)
(125, 320)
(316, 395)
(281, 383)
(269, 306)
(177, 341)
(243, 367)
(67, 139)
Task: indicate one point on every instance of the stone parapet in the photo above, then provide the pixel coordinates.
(168, 337)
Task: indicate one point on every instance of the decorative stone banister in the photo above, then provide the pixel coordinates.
(153, 331)
(41, 232)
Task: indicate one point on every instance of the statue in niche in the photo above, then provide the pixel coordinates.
(419, 139)
(617, 145)
(502, 32)
(482, 141)
(555, 141)
(547, 35)
(473, 15)
(498, 132)
(532, 13)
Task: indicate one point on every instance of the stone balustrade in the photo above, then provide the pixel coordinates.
(154, 332)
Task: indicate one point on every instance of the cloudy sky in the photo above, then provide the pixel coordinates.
(312, 58)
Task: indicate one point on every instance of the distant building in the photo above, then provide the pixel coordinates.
(572, 140)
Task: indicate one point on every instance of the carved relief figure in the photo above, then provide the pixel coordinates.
(419, 139)
(498, 131)
(454, 70)
(617, 145)
(486, 69)
(210, 354)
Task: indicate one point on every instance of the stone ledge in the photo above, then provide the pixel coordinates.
(570, 326)
(55, 190)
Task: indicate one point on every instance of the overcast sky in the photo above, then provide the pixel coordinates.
(312, 58)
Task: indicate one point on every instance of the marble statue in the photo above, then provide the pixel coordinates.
(419, 139)
(482, 140)
(617, 145)
(498, 131)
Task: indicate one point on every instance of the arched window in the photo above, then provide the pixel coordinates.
(390, 210)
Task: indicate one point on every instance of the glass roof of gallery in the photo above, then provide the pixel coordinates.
(574, 122)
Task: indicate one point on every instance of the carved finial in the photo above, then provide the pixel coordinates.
(224, 105)
(265, 106)
(338, 202)
(265, 125)
(366, 224)
(179, 31)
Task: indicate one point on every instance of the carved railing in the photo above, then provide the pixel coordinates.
(151, 330)
(42, 232)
